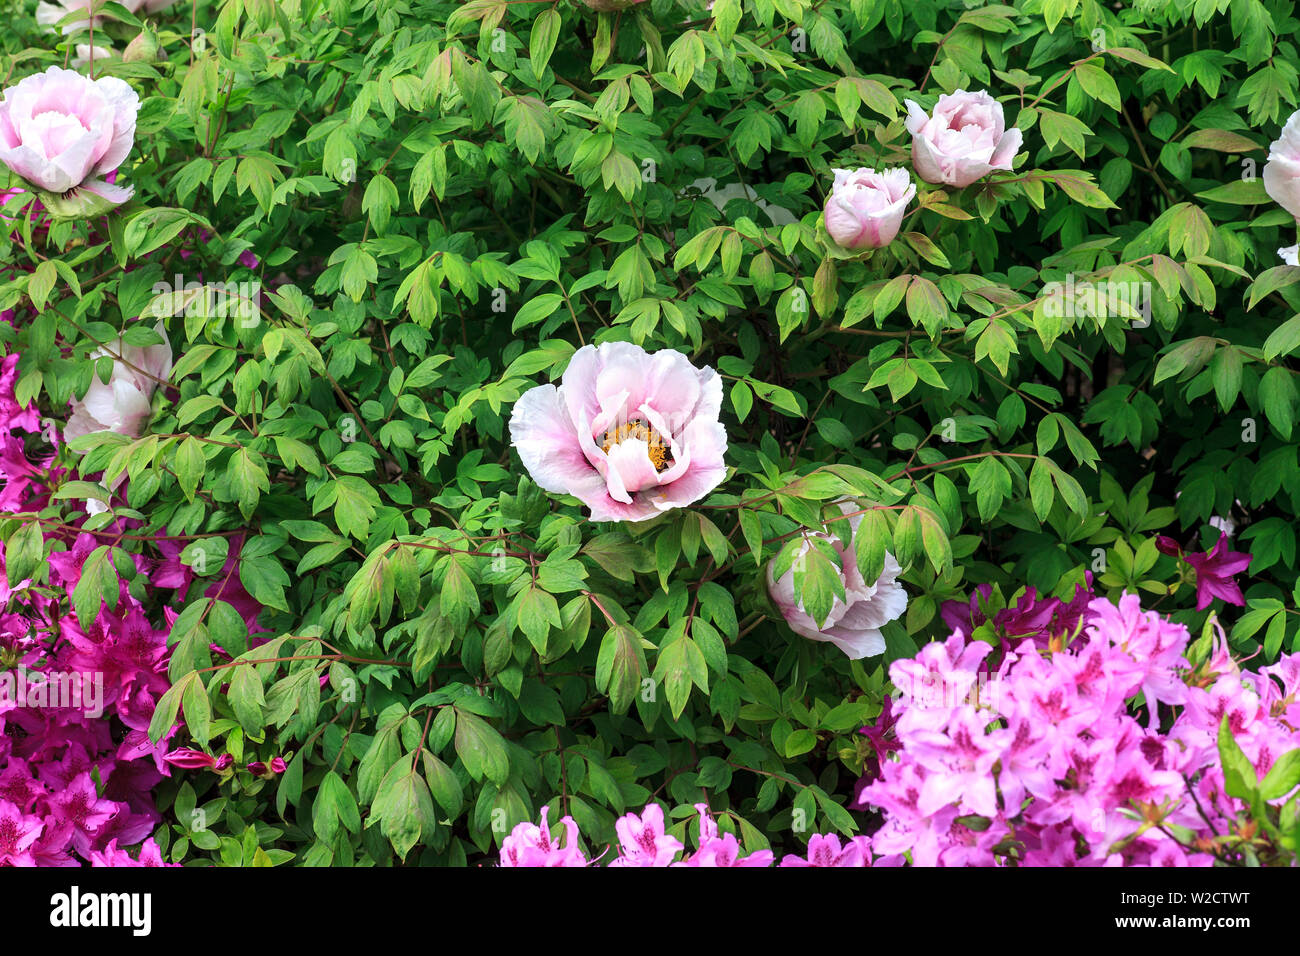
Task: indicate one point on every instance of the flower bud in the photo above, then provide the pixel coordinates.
(143, 49)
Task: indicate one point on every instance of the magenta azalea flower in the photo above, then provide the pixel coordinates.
(1214, 571)
(188, 759)
(629, 433)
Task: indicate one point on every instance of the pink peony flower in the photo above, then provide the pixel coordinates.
(963, 140)
(1282, 173)
(865, 208)
(629, 433)
(122, 404)
(854, 623)
(59, 130)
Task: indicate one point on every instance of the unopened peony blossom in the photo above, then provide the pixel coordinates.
(122, 404)
(629, 433)
(60, 130)
(1282, 171)
(865, 208)
(48, 14)
(853, 624)
(963, 140)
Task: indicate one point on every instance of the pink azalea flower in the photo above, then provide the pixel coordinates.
(533, 845)
(150, 855)
(18, 832)
(827, 851)
(960, 761)
(721, 849)
(81, 810)
(629, 433)
(643, 841)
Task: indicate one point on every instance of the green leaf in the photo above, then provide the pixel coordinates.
(1282, 777)
(1238, 775)
(620, 666)
(482, 749)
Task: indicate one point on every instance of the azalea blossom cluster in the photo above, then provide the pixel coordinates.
(643, 840)
(1097, 748)
(76, 783)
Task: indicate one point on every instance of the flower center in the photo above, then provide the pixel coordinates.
(660, 454)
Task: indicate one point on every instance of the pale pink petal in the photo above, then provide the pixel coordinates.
(544, 435)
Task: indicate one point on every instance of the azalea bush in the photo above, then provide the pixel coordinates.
(430, 420)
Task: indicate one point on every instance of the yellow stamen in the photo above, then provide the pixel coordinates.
(656, 447)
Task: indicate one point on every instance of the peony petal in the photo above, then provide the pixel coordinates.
(543, 434)
(579, 384)
(856, 644)
(125, 103)
(672, 388)
(1007, 148)
(926, 162)
(630, 460)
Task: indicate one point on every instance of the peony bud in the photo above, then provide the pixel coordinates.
(963, 140)
(143, 49)
(865, 208)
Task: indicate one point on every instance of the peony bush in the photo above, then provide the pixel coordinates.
(649, 433)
